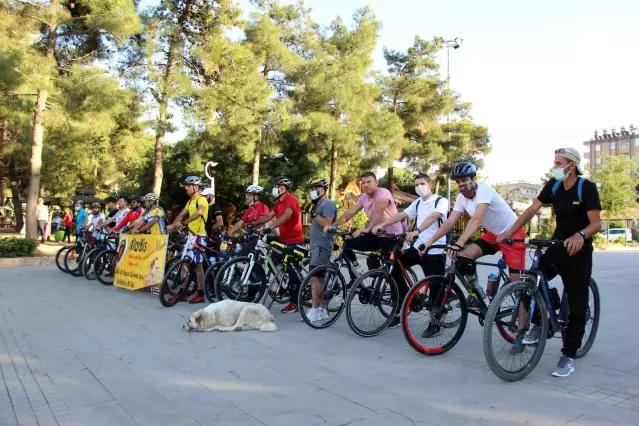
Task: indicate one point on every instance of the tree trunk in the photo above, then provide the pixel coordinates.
(15, 191)
(3, 142)
(333, 188)
(158, 172)
(257, 152)
(391, 179)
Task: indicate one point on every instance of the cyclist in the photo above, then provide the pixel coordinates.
(255, 210)
(288, 218)
(153, 219)
(121, 212)
(323, 214)
(193, 216)
(486, 208)
(578, 216)
(81, 216)
(132, 215)
(108, 223)
(379, 205)
(215, 221)
(94, 219)
(429, 212)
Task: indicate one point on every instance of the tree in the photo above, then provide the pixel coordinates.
(53, 37)
(616, 178)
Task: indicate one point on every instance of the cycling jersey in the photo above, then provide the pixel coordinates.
(198, 226)
(291, 231)
(254, 212)
(159, 227)
(498, 218)
(130, 217)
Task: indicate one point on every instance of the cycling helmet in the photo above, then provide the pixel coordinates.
(193, 180)
(318, 183)
(95, 206)
(136, 198)
(283, 181)
(151, 197)
(254, 189)
(462, 170)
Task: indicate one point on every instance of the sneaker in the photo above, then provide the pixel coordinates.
(322, 314)
(472, 303)
(564, 367)
(518, 346)
(532, 336)
(312, 315)
(177, 298)
(432, 331)
(289, 309)
(198, 298)
(395, 322)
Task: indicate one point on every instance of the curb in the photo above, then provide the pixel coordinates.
(17, 262)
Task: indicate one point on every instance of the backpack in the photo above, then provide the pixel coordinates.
(440, 221)
(580, 184)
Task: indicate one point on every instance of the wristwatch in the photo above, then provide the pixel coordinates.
(582, 233)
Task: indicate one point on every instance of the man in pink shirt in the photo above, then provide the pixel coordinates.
(378, 204)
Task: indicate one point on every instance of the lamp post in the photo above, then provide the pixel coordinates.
(454, 44)
(209, 174)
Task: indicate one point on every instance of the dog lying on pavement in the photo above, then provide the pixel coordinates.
(231, 315)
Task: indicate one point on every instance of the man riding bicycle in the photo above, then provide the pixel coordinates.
(255, 210)
(288, 218)
(575, 201)
(194, 216)
(429, 212)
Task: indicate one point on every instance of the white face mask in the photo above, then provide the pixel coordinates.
(276, 192)
(559, 174)
(315, 195)
(422, 190)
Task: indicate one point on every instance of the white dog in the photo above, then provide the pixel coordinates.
(231, 315)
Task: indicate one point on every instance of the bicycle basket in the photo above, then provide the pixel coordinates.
(465, 265)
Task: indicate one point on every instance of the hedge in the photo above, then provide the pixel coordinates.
(17, 247)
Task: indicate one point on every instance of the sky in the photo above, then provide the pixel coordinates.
(540, 75)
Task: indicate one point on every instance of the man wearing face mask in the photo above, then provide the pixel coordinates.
(324, 213)
(288, 218)
(255, 210)
(575, 201)
(81, 216)
(429, 212)
(486, 208)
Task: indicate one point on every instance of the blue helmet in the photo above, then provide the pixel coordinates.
(462, 170)
(193, 180)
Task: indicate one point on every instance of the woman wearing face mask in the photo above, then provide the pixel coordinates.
(575, 201)
(429, 212)
(255, 210)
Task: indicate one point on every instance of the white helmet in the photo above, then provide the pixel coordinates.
(254, 189)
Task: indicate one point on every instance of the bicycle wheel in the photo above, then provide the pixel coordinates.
(105, 267)
(209, 281)
(505, 363)
(87, 267)
(434, 328)
(593, 314)
(59, 258)
(372, 303)
(334, 293)
(233, 283)
(174, 279)
(72, 260)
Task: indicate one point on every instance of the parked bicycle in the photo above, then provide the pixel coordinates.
(103, 242)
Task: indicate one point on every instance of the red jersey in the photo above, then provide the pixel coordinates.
(254, 212)
(68, 220)
(291, 231)
(130, 217)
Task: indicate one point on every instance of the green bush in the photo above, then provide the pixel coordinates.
(17, 247)
(546, 229)
(598, 239)
(617, 225)
(620, 240)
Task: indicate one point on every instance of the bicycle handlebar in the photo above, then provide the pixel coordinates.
(532, 242)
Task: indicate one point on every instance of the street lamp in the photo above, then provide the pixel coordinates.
(209, 174)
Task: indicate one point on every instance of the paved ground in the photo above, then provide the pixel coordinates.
(73, 352)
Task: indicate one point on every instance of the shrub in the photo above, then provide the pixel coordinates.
(620, 240)
(17, 247)
(617, 225)
(598, 239)
(546, 229)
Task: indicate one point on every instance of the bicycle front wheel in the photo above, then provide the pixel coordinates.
(434, 316)
(235, 282)
(593, 313)
(72, 261)
(372, 303)
(209, 281)
(88, 264)
(105, 267)
(514, 361)
(59, 258)
(175, 279)
(332, 296)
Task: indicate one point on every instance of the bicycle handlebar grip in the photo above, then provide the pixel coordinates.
(421, 247)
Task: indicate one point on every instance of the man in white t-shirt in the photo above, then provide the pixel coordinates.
(486, 208)
(429, 212)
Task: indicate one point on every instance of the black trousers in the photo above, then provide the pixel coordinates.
(368, 242)
(431, 265)
(67, 234)
(575, 274)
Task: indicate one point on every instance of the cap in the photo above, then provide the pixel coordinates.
(208, 191)
(573, 155)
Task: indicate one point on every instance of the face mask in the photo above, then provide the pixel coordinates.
(468, 190)
(559, 174)
(314, 195)
(250, 202)
(422, 190)
(77, 208)
(276, 192)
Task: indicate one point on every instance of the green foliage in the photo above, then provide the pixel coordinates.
(617, 225)
(17, 247)
(620, 240)
(546, 229)
(617, 178)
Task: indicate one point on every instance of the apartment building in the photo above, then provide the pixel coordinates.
(613, 142)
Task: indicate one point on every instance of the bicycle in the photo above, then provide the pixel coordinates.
(229, 247)
(87, 263)
(74, 255)
(542, 302)
(383, 294)
(335, 287)
(258, 276)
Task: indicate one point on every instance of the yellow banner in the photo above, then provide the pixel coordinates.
(140, 261)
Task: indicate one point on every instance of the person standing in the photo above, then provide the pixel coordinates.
(255, 210)
(215, 220)
(42, 213)
(81, 216)
(67, 220)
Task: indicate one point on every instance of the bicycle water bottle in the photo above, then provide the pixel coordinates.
(492, 285)
(213, 260)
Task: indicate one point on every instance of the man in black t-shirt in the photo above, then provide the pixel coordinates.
(215, 221)
(575, 201)
(109, 222)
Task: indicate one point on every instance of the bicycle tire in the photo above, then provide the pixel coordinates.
(209, 281)
(491, 314)
(364, 296)
(166, 289)
(305, 292)
(75, 271)
(585, 347)
(59, 259)
(88, 263)
(412, 304)
(223, 291)
(105, 261)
